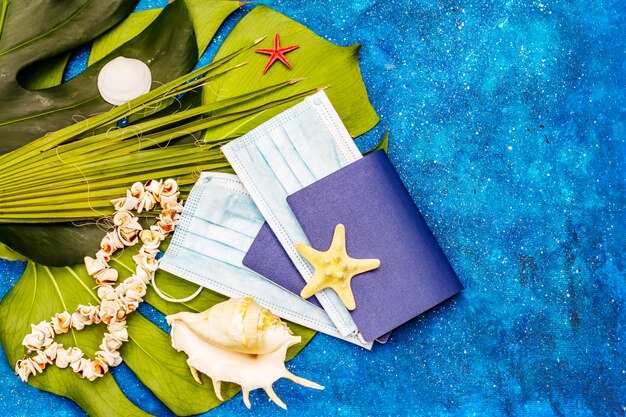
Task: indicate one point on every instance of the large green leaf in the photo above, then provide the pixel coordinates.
(206, 17)
(43, 291)
(167, 45)
(321, 63)
(40, 293)
(166, 40)
(340, 74)
(132, 26)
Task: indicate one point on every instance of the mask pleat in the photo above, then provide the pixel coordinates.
(221, 234)
(295, 161)
(232, 210)
(276, 163)
(213, 249)
(316, 145)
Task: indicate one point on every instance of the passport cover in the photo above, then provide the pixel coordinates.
(267, 257)
(369, 195)
(381, 221)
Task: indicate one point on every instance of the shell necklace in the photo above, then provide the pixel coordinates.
(116, 302)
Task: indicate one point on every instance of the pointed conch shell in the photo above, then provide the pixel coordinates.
(236, 341)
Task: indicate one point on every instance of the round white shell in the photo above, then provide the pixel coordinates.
(124, 79)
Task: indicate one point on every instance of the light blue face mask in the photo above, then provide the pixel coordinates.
(216, 229)
(285, 154)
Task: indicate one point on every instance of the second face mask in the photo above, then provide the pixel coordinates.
(285, 154)
(216, 229)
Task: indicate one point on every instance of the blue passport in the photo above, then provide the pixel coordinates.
(381, 221)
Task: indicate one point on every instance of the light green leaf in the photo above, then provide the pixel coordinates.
(321, 63)
(36, 31)
(46, 74)
(203, 13)
(9, 254)
(43, 291)
(206, 16)
(134, 24)
(39, 294)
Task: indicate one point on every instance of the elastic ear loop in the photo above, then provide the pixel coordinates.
(174, 300)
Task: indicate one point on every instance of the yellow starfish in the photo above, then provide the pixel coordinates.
(334, 268)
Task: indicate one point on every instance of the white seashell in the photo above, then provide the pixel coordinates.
(110, 356)
(124, 79)
(118, 334)
(168, 219)
(95, 266)
(79, 321)
(169, 216)
(165, 228)
(41, 360)
(41, 336)
(132, 287)
(158, 233)
(137, 190)
(61, 322)
(90, 370)
(26, 367)
(130, 293)
(100, 366)
(142, 274)
(79, 365)
(127, 203)
(91, 314)
(111, 310)
(236, 341)
(172, 203)
(151, 239)
(146, 262)
(66, 357)
(126, 220)
(128, 237)
(106, 292)
(103, 256)
(106, 277)
(51, 352)
(111, 242)
(154, 187)
(169, 189)
(147, 202)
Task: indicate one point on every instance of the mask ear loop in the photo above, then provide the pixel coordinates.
(175, 300)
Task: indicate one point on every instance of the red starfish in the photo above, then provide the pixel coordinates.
(277, 53)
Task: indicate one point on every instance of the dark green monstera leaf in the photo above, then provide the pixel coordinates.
(33, 53)
(340, 75)
(38, 30)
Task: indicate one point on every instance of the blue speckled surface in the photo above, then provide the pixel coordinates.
(507, 124)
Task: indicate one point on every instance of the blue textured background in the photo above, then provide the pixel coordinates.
(507, 124)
